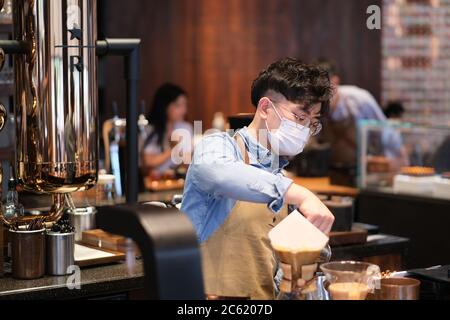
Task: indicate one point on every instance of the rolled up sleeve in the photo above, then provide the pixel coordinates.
(218, 170)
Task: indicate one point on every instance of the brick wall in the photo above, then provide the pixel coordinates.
(416, 57)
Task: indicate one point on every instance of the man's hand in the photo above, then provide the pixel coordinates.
(317, 213)
(311, 207)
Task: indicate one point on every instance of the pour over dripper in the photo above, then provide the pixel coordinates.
(301, 261)
(297, 243)
(351, 280)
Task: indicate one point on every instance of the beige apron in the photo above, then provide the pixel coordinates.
(237, 259)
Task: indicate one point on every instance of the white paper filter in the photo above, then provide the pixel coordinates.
(295, 233)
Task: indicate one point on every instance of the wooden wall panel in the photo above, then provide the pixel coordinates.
(215, 48)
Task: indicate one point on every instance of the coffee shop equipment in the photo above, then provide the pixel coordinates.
(300, 246)
(314, 161)
(169, 248)
(351, 280)
(55, 66)
(82, 219)
(397, 288)
(28, 252)
(55, 78)
(60, 247)
(12, 208)
(55, 70)
(342, 209)
(114, 140)
(435, 282)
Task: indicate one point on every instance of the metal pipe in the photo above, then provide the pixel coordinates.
(129, 49)
(14, 46)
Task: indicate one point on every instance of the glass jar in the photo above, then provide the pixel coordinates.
(105, 191)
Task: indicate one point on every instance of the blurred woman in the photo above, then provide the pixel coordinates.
(168, 130)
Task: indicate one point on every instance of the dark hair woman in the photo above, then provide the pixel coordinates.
(165, 118)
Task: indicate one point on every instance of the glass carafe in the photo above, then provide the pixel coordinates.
(351, 280)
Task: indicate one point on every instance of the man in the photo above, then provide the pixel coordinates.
(349, 105)
(235, 191)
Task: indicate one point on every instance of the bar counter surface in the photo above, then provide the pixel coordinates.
(116, 281)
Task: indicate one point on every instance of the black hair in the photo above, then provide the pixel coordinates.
(394, 109)
(164, 96)
(296, 81)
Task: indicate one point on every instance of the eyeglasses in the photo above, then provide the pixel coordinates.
(303, 119)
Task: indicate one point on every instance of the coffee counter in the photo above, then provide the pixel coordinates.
(317, 185)
(323, 186)
(116, 281)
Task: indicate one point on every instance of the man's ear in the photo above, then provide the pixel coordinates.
(263, 107)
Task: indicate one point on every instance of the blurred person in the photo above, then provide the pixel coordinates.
(348, 106)
(167, 130)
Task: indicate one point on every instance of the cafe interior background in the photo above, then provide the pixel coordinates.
(394, 216)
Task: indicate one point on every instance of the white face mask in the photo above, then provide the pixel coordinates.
(290, 138)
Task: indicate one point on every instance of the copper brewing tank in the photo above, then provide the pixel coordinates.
(56, 97)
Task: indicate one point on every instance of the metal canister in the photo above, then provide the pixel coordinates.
(28, 254)
(60, 252)
(399, 289)
(342, 209)
(82, 219)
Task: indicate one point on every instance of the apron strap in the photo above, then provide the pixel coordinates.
(241, 144)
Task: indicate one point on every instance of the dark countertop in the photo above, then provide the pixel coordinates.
(116, 278)
(95, 282)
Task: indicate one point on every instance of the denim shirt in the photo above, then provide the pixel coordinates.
(218, 177)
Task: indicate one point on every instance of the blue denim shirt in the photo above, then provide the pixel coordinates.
(218, 177)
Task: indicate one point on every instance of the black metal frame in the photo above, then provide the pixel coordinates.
(129, 49)
(172, 261)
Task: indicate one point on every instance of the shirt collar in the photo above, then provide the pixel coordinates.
(260, 153)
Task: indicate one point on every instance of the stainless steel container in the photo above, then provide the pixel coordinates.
(60, 252)
(28, 254)
(82, 219)
(55, 98)
(56, 95)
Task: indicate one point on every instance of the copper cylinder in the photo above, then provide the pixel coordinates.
(399, 289)
(28, 254)
(56, 95)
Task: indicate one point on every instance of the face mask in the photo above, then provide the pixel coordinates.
(290, 138)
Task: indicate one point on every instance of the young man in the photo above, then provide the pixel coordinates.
(235, 191)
